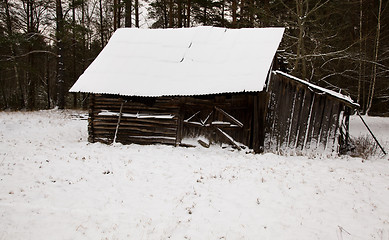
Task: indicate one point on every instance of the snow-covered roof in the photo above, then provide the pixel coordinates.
(314, 87)
(185, 61)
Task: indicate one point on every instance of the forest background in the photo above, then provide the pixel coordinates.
(45, 45)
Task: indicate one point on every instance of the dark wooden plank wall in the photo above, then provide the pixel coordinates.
(241, 116)
(247, 108)
(300, 118)
(143, 120)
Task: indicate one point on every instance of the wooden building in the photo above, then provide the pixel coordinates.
(166, 86)
(303, 116)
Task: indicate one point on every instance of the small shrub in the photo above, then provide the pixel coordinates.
(363, 147)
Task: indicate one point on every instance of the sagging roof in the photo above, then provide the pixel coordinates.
(185, 61)
(346, 99)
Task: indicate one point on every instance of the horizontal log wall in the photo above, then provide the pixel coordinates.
(301, 119)
(226, 118)
(142, 120)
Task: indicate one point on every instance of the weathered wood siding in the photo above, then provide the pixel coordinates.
(228, 118)
(222, 118)
(290, 115)
(142, 120)
(300, 118)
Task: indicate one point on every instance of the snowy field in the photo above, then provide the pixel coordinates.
(55, 185)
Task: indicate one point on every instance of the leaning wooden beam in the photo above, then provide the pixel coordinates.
(206, 120)
(195, 124)
(117, 125)
(229, 138)
(187, 120)
(231, 118)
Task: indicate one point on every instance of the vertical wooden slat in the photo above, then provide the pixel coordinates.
(333, 125)
(325, 126)
(262, 103)
(317, 121)
(91, 119)
(304, 119)
(283, 115)
(311, 121)
(296, 117)
(255, 126)
(251, 122)
(180, 124)
(274, 109)
(290, 98)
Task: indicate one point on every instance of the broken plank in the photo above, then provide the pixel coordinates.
(229, 138)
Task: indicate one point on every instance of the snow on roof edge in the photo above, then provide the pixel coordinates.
(337, 95)
(168, 95)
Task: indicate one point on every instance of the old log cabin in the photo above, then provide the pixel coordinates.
(164, 86)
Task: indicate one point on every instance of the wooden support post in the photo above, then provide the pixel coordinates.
(117, 125)
(382, 149)
(91, 133)
(256, 125)
(347, 126)
(262, 100)
(180, 125)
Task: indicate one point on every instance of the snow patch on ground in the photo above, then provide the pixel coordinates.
(54, 184)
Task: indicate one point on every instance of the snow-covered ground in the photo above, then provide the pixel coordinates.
(55, 185)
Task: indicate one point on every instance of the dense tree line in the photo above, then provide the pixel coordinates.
(46, 44)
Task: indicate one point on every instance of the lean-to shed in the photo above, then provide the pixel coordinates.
(165, 85)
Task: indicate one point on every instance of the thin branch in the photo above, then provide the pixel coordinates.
(12, 58)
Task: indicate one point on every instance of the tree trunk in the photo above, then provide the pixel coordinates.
(60, 61)
(360, 51)
(179, 10)
(234, 7)
(267, 13)
(223, 13)
(3, 91)
(127, 13)
(136, 6)
(74, 58)
(171, 13)
(165, 14)
(14, 54)
(30, 57)
(30, 81)
(300, 58)
(115, 16)
(101, 25)
(119, 13)
(251, 11)
(205, 14)
(242, 12)
(84, 47)
(188, 13)
(377, 43)
(47, 78)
